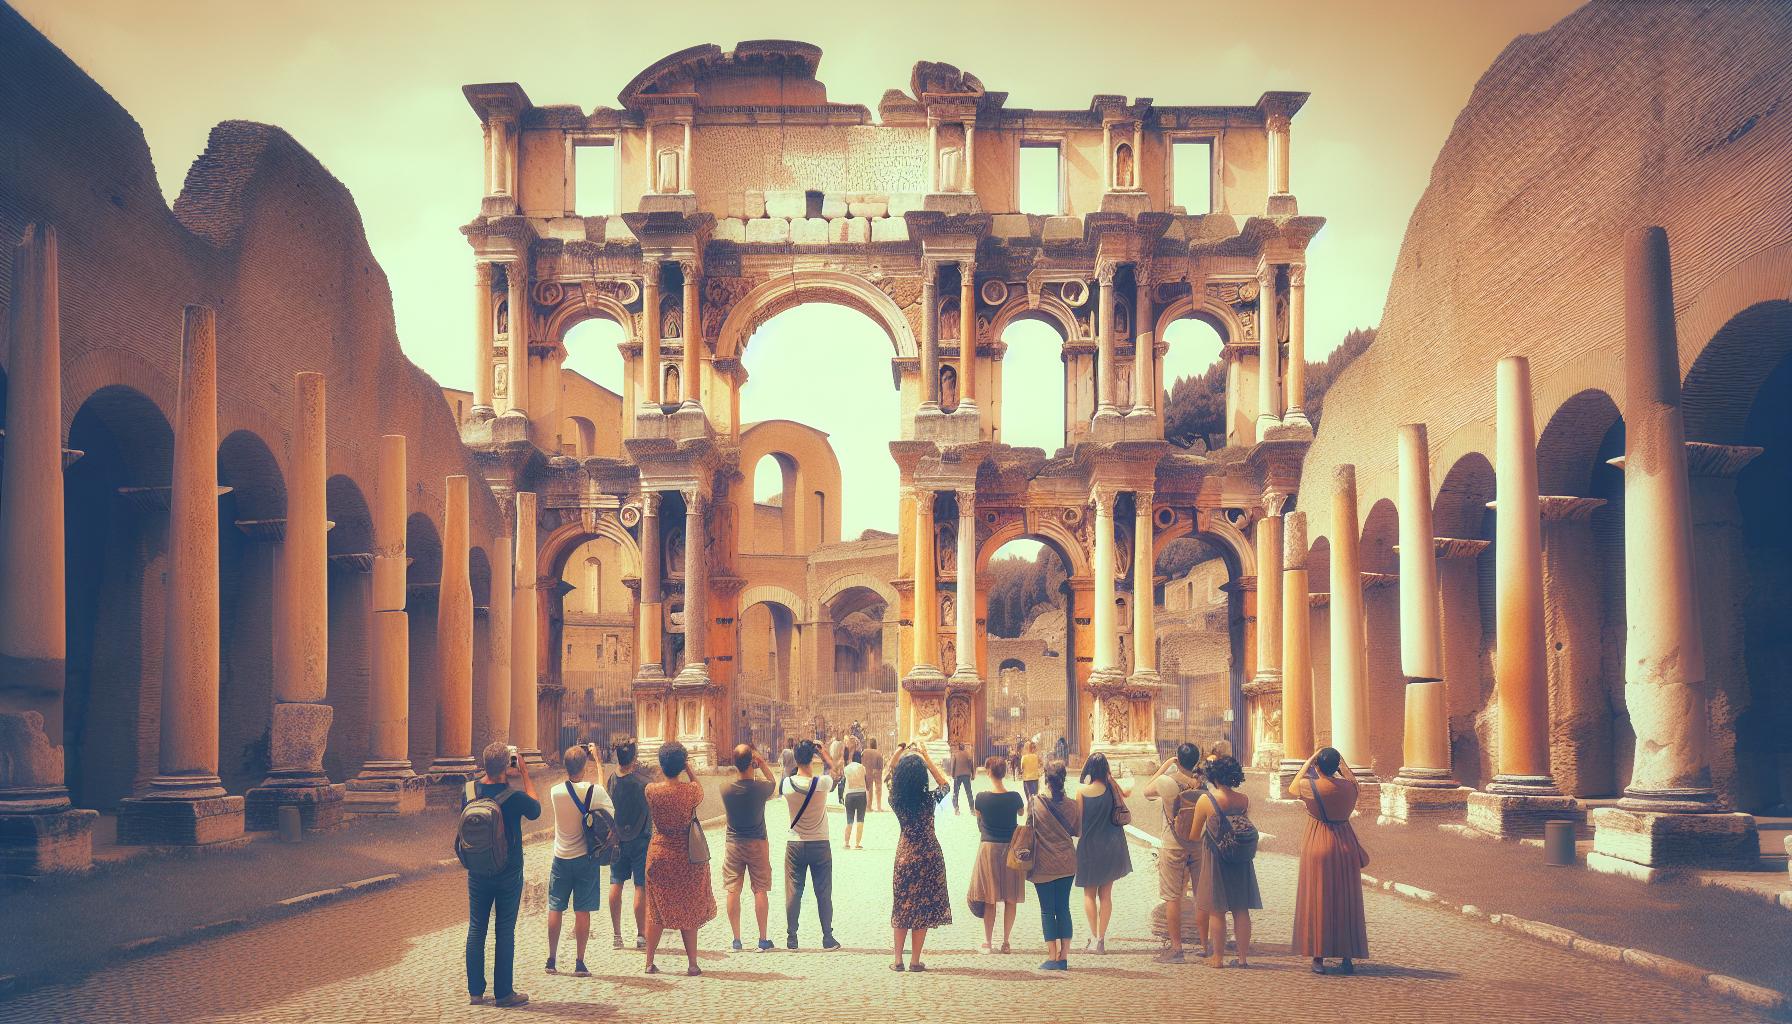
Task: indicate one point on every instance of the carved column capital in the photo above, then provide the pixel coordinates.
(1104, 272)
(482, 272)
(967, 500)
(1142, 501)
(693, 498)
(1274, 502)
(1718, 460)
(687, 266)
(1103, 497)
(1297, 275)
(650, 503)
(1277, 122)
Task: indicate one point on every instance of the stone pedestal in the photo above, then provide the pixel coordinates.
(172, 821)
(300, 733)
(384, 787)
(1404, 802)
(442, 787)
(1520, 815)
(1651, 846)
(37, 844)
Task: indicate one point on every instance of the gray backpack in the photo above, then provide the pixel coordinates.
(479, 839)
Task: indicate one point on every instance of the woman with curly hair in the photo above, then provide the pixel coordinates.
(1224, 886)
(918, 886)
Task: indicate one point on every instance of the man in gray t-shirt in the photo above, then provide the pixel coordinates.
(747, 854)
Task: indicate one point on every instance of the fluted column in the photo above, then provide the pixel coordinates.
(1295, 376)
(650, 333)
(1350, 662)
(930, 333)
(386, 784)
(1278, 125)
(525, 633)
(454, 761)
(185, 802)
(648, 643)
(517, 356)
(926, 643)
(482, 339)
(965, 672)
(1144, 589)
(696, 592)
(967, 337)
(501, 597)
(1104, 351)
(1106, 669)
(1144, 347)
(1265, 689)
(1297, 663)
(1269, 352)
(39, 831)
(692, 322)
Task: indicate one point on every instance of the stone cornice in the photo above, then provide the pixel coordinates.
(1718, 460)
(1559, 508)
(1457, 547)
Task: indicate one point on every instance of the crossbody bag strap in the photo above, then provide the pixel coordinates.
(814, 783)
(1065, 825)
(584, 806)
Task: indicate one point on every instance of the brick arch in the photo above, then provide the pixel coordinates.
(839, 585)
(1722, 384)
(770, 594)
(1568, 447)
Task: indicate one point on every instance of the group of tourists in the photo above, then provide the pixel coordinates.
(1047, 833)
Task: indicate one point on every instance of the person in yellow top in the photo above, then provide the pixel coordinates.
(1031, 770)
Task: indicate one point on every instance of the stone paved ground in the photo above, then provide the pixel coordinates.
(395, 955)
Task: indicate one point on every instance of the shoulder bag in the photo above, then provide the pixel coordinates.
(1121, 815)
(1020, 846)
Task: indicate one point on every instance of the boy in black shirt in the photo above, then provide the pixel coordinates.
(502, 892)
(634, 828)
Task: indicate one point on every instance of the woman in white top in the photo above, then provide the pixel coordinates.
(856, 798)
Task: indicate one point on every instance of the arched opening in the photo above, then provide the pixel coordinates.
(485, 695)
(250, 521)
(1193, 378)
(1381, 615)
(1034, 411)
(578, 437)
(1200, 622)
(594, 655)
(350, 545)
(423, 584)
(1319, 646)
(864, 644)
(1465, 583)
(1591, 741)
(116, 517)
(593, 379)
(775, 511)
(1031, 625)
(1738, 398)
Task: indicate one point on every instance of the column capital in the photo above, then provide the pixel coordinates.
(968, 268)
(1559, 508)
(1274, 502)
(1104, 272)
(1297, 275)
(1718, 460)
(1103, 497)
(1277, 122)
(693, 498)
(687, 265)
(650, 271)
(650, 503)
(967, 500)
(1142, 501)
(1266, 275)
(922, 493)
(482, 272)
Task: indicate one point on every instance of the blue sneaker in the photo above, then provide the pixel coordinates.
(737, 945)
(765, 944)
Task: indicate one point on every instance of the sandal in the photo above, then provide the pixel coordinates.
(917, 967)
(693, 971)
(651, 969)
(1005, 947)
(897, 967)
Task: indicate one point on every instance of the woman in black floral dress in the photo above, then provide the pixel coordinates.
(920, 899)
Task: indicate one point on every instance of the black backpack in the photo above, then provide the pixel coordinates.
(601, 840)
(479, 839)
(1232, 836)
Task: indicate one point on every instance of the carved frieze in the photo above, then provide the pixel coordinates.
(720, 296)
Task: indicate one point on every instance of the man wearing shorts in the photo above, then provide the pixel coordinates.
(634, 829)
(575, 877)
(747, 854)
(1177, 869)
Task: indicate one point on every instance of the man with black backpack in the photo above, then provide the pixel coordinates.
(489, 843)
(634, 830)
(584, 841)
(1178, 785)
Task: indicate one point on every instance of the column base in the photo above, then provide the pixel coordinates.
(1282, 204)
(1651, 846)
(447, 777)
(1266, 423)
(319, 803)
(1508, 815)
(152, 820)
(42, 842)
(512, 426)
(965, 678)
(1107, 679)
(384, 787)
(701, 754)
(1281, 781)
(1426, 778)
(1107, 425)
(482, 414)
(1297, 418)
(693, 674)
(1404, 802)
(688, 421)
(533, 759)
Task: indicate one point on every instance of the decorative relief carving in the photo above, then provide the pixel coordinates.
(993, 291)
(720, 296)
(626, 291)
(1074, 293)
(958, 718)
(548, 294)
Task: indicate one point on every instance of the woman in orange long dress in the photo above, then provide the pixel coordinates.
(1328, 904)
(678, 892)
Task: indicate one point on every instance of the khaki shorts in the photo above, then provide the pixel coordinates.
(1177, 871)
(747, 856)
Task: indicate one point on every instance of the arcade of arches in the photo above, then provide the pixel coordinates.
(601, 563)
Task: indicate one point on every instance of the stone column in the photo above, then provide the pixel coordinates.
(1667, 817)
(39, 831)
(1269, 352)
(925, 684)
(482, 340)
(1144, 353)
(970, 153)
(1106, 670)
(650, 334)
(649, 641)
(1580, 709)
(1425, 784)
(933, 154)
(1107, 157)
(967, 337)
(965, 672)
(1278, 125)
(1523, 793)
(1105, 390)
(1721, 553)
(696, 592)
(386, 783)
(1297, 663)
(454, 763)
(930, 335)
(500, 135)
(1267, 680)
(517, 359)
(301, 724)
(501, 596)
(1295, 377)
(525, 634)
(1349, 652)
(185, 803)
(1144, 589)
(692, 321)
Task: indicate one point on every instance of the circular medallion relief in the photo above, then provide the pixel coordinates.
(994, 292)
(1074, 293)
(630, 515)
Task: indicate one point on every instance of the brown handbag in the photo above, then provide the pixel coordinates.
(1020, 848)
(697, 843)
(1121, 815)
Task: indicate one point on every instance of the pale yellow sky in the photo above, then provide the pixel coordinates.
(373, 89)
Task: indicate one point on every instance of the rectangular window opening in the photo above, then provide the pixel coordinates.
(1192, 186)
(594, 178)
(1041, 179)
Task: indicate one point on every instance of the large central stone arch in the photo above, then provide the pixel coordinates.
(839, 288)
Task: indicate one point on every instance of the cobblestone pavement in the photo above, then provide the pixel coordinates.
(396, 955)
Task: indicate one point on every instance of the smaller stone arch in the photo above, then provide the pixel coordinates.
(1215, 314)
(771, 594)
(564, 539)
(1049, 309)
(1381, 534)
(835, 588)
(1568, 447)
(1047, 528)
(588, 304)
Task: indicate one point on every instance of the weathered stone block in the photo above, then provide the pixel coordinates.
(736, 206)
(868, 209)
(320, 806)
(786, 203)
(729, 229)
(768, 229)
(848, 230)
(833, 204)
(1062, 229)
(902, 202)
(1401, 804)
(157, 822)
(809, 231)
(1011, 225)
(443, 789)
(1510, 816)
(384, 796)
(951, 202)
(299, 735)
(889, 229)
(28, 760)
(617, 230)
(1127, 204)
(38, 844)
(1672, 841)
(1282, 205)
(752, 205)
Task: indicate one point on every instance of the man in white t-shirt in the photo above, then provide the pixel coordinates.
(575, 876)
(808, 848)
(1178, 871)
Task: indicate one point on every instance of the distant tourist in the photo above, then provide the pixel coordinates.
(992, 880)
(747, 853)
(1101, 855)
(787, 760)
(1031, 768)
(1328, 903)
(634, 832)
(1061, 751)
(576, 876)
(489, 842)
(858, 733)
(1225, 885)
(962, 770)
(1177, 785)
(919, 900)
(874, 776)
(855, 801)
(678, 893)
(808, 852)
(1056, 820)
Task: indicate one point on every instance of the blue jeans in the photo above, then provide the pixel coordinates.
(961, 782)
(815, 856)
(485, 892)
(1054, 906)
